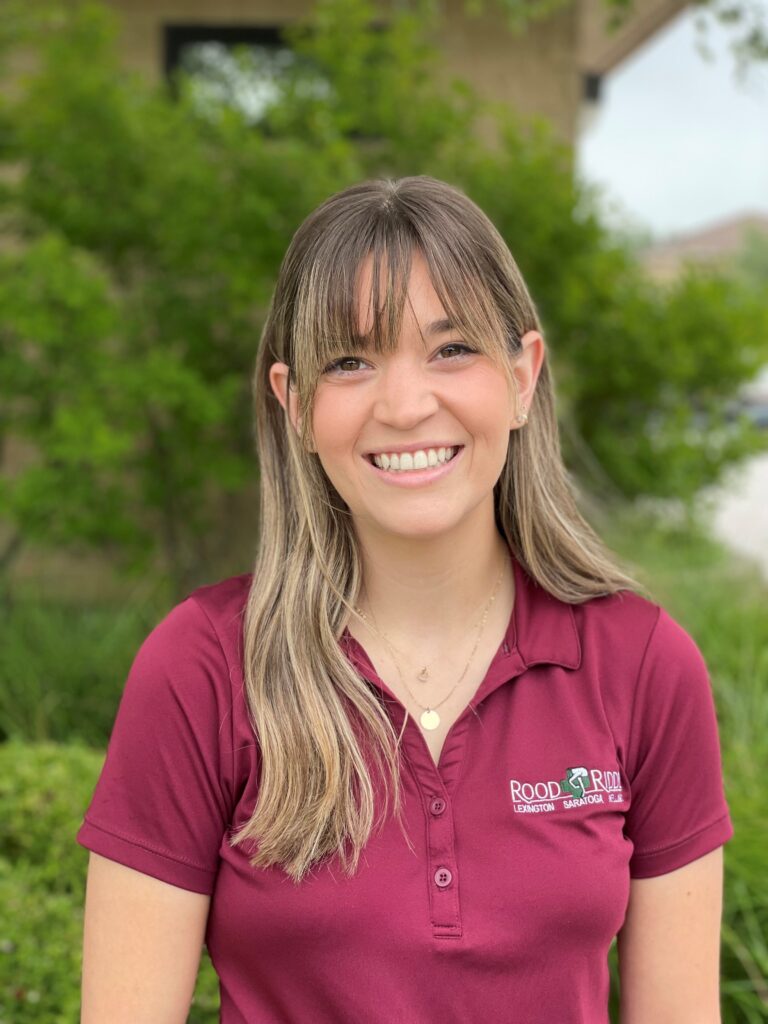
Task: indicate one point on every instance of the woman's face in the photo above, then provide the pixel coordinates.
(427, 394)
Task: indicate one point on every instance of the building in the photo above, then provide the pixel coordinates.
(551, 69)
(714, 246)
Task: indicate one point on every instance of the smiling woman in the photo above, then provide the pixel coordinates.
(432, 392)
(437, 706)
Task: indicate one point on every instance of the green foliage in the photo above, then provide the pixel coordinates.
(150, 232)
(40, 943)
(184, 220)
(384, 92)
(656, 373)
(63, 666)
(751, 264)
(60, 391)
(44, 791)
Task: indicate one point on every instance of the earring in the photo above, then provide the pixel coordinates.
(523, 417)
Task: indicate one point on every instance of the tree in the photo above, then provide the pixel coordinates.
(147, 231)
(751, 264)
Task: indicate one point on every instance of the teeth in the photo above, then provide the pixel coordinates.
(421, 459)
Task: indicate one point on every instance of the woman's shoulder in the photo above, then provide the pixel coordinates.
(618, 623)
(223, 602)
(628, 612)
(224, 596)
(202, 632)
(628, 621)
(645, 663)
(636, 651)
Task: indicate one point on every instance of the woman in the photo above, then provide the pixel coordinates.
(437, 750)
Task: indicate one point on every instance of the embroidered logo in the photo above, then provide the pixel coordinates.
(579, 787)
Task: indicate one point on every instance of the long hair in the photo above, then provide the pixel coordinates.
(321, 729)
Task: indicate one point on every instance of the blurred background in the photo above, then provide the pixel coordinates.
(156, 157)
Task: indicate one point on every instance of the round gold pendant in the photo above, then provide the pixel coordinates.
(430, 719)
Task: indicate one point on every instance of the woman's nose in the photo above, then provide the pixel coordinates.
(405, 394)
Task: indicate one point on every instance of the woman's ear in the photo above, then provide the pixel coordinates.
(286, 394)
(527, 368)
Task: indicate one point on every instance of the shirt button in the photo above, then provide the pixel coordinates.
(437, 806)
(443, 877)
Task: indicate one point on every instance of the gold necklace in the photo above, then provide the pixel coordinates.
(423, 675)
(429, 717)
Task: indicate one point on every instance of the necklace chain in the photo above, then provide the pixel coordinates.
(429, 717)
(423, 675)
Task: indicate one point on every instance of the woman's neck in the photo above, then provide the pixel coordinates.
(433, 590)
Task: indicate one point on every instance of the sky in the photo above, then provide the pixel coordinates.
(677, 141)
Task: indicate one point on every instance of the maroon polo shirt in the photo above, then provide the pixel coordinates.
(588, 756)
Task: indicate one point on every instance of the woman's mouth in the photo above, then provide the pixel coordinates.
(416, 477)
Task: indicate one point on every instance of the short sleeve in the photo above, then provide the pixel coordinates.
(678, 810)
(162, 802)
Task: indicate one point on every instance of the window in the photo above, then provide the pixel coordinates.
(246, 67)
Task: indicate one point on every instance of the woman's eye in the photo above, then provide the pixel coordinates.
(335, 367)
(466, 350)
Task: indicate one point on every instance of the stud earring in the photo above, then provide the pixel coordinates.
(523, 417)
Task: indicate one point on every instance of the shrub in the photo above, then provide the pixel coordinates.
(44, 791)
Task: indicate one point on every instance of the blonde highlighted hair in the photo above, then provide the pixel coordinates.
(322, 730)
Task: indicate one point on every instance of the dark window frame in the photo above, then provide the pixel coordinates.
(176, 36)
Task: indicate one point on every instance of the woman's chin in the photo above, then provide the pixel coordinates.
(416, 527)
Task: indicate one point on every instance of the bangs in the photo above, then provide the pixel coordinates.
(326, 322)
(329, 313)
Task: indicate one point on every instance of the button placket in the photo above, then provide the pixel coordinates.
(442, 877)
(435, 785)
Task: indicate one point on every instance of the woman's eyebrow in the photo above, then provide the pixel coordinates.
(439, 326)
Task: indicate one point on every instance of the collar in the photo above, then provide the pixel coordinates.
(542, 627)
(542, 630)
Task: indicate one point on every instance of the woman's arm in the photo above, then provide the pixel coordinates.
(669, 946)
(142, 942)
